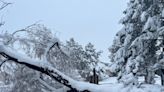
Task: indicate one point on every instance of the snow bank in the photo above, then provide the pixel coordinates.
(120, 88)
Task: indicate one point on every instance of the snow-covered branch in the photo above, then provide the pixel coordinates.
(41, 66)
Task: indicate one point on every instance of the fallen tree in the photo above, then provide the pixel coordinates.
(41, 66)
(46, 44)
(11, 55)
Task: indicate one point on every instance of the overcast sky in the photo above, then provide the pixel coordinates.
(94, 21)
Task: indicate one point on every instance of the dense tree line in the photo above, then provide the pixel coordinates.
(133, 52)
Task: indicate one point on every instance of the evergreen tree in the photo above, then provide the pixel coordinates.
(91, 57)
(133, 52)
(76, 54)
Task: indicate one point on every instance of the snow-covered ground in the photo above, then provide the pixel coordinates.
(157, 80)
(111, 80)
(111, 85)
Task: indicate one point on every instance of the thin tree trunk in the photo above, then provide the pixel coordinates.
(162, 77)
(149, 77)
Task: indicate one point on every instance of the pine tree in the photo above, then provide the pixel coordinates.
(133, 52)
(76, 54)
(84, 60)
(91, 58)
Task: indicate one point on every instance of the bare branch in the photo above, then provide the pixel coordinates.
(26, 28)
(21, 30)
(3, 62)
(59, 47)
(53, 45)
(5, 4)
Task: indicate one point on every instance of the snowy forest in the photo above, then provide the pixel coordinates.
(34, 59)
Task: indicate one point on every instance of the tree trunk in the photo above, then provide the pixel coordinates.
(162, 77)
(149, 77)
(160, 72)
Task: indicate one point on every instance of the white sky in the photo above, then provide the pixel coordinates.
(94, 21)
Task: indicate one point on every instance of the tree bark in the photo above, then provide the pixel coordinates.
(160, 72)
(162, 77)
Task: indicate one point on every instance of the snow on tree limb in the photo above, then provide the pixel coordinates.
(46, 68)
(43, 67)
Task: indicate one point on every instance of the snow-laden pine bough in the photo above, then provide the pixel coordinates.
(46, 68)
